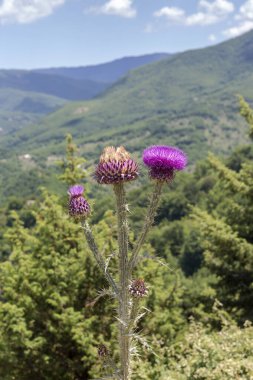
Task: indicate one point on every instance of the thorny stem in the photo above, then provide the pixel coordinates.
(99, 258)
(109, 362)
(124, 340)
(154, 201)
(134, 314)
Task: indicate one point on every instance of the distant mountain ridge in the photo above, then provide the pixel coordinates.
(108, 72)
(30, 94)
(55, 85)
(188, 99)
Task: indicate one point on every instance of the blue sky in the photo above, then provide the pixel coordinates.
(46, 33)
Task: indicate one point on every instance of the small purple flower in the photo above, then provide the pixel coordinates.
(115, 166)
(78, 206)
(76, 191)
(163, 161)
(138, 289)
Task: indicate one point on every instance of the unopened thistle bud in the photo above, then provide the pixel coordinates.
(103, 351)
(78, 206)
(164, 161)
(138, 289)
(115, 166)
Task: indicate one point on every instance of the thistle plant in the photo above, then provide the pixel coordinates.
(116, 168)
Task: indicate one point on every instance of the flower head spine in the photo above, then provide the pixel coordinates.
(115, 166)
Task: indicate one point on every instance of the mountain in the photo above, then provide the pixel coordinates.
(26, 96)
(108, 72)
(55, 85)
(188, 100)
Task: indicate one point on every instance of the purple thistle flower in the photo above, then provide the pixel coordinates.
(76, 191)
(138, 288)
(78, 206)
(115, 166)
(163, 161)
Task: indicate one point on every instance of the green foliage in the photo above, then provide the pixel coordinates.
(205, 355)
(247, 113)
(45, 329)
(50, 325)
(71, 166)
(227, 230)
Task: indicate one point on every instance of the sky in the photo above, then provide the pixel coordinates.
(53, 33)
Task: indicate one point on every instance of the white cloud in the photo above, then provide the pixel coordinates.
(212, 38)
(202, 18)
(218, 7)
(25, 11)
(246, 10)
(123, 8)
(245, 18)
(239, 29)
(172, 13)
(209, 13)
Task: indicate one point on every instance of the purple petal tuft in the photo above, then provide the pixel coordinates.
(165, 156)
(163, 161)
(76, 191)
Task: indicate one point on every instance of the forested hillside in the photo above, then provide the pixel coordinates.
(188, 100)
(197, 263)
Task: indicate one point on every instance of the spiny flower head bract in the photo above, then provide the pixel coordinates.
(78, 205)
(115, 166)
(137, 288)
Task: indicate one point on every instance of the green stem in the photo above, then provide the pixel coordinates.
(154, 201)
(124, 341)
(99, 258)
(134, 314)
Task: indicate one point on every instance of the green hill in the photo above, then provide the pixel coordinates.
(27, 95)
(21, 108)
(188, 100)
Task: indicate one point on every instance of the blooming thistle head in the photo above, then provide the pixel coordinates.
(138, 289)
(115, 166)
(78, 206)
(163, 161)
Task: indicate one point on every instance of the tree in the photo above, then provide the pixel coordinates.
(46, 331)
(227, 230)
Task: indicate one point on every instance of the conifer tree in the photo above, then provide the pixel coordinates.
(228, 233)
(47, 330)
